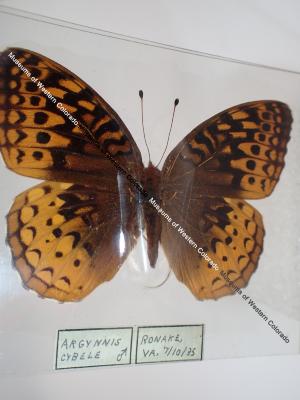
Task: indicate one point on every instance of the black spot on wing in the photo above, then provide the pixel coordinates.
(76, 238)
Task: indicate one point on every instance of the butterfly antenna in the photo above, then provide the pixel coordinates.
(141, 94)
(176, 102)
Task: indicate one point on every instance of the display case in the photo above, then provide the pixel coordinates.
(263, 319)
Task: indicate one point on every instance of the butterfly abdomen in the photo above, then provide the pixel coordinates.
(151, 183)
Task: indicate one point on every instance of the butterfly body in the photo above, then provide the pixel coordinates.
(151, 181)
(73, 231)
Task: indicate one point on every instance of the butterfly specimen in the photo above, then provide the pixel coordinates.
(74, 230)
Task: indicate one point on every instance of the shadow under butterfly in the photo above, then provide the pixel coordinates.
(65, 233)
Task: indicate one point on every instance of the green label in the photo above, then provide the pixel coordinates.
(78, 348)
(169, 343)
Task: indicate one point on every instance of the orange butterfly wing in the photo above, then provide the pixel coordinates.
(237, 154)
(38, 140)
(66, 239)
(72, 232)
(227, 232)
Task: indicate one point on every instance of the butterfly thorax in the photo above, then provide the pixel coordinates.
(151, 184)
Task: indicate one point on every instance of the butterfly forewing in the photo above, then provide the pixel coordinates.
(40, 140)
(238, 153)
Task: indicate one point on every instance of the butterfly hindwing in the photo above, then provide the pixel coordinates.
(229, 231)
(237, 153)
(66, 238)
